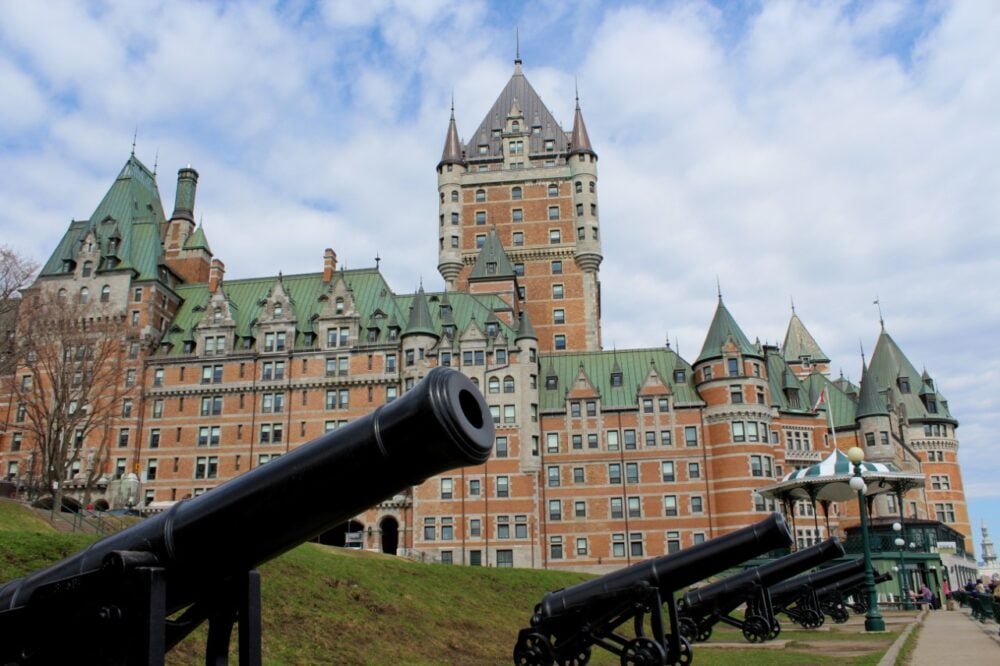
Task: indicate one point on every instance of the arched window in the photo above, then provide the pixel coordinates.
(508, 384)
(339, 305)
(454, 195)
(475, 380)
(553, 190)
(579, 187)
(84, 295)
(515, 126)
(278, 309)
(494, 385)
(480, 195)
(515, 193)
(62, 295)
(105, 294)
(88, 268)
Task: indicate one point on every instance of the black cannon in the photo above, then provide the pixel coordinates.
(568, 622)
(112, 602)
(796, 597)
(833, 598)
(702, 608)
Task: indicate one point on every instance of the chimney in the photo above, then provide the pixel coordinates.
(215, 275)
(329, 264)
(187, 183)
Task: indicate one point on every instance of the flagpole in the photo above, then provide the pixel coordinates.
(825, 397)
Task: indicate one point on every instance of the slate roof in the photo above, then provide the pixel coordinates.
(419, 321)
(841, 407)
(131, 210)
(799, 342)
(888, 364)
(598, 365)
(722, 327)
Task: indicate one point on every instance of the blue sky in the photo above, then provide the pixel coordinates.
(821, 151)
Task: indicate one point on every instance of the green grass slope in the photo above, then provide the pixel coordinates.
(15, 517)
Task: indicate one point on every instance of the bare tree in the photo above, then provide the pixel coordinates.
(68, 387)
(15, 275)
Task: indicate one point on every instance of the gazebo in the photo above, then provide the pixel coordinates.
(829, 481)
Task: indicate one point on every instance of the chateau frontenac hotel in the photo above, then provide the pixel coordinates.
(601, 457)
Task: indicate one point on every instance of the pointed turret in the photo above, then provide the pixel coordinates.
(870, 401)
(198, 241)
(579, 139)
(492, 262)
(799, 345)
(525, 331)
(420, 322)
(891, 366)
(452, 153)
(723, 328)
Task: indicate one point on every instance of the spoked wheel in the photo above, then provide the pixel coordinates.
(775, 631)
(579, 659)
(688, 628)
(685, 656)
(643, 652)
(839, 614)
(812, 619)
(533, 650)
(756, 629)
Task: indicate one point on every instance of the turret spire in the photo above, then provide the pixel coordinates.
(452, 153)
(579, 139)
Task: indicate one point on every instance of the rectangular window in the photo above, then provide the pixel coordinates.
(591, 408)
(733, 365)
(580, 509)
(618, 545)
(447, 488)
(510, 413)
(559, 341)
(505, 559)
(632, 472)
(578, 475)
(503, 486)
(696, 504)
(430, 529)
(555, 510)
(616, 507)
(577, 441)
(558, 316)
(581, 545)
(665, 438)
(691, 435)
(592, 440)
(629, 440)
(554, 215)
(501, 447)
(552, 442)
(673, 542)
(123, 438)
(736, 394)
(650, 439)
(614, 473)
(670, 505)
(447, 529)
(694, 470)
(154, 438)
(667, 469)
(739, 431)
(574, 409)
(634, 508)
(556, 548)
(553, 475)
(475, 527)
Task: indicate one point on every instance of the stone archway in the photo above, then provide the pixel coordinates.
(389, 527)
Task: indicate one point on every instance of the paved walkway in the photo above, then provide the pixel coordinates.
(951, 638)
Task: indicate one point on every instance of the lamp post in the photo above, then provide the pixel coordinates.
(873, 619)
(903, 587)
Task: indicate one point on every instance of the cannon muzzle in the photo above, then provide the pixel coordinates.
(789, 589)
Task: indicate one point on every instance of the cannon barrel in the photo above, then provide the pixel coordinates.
(675, 571)
(440, 424)
(850, 584)
(729, 592)
(795, 586)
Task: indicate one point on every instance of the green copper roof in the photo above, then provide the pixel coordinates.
(525, 331)
(132, 214)
(784, 384)
(634, 365)
(889, 366)
(420, 322)
(722, 328)
(198, 241)
(799, 343)
(840, 407)
(871, 402)
(492, 262)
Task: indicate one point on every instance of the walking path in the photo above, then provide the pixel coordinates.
(953, 637)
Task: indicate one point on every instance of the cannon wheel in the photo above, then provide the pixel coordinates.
(839, 615)
(688, 628)
(533, 650)
(686, 655)
(811, 619)
(775, 631)
(579, 659)
(643, 652)
(756, 629)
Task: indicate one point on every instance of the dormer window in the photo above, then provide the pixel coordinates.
(515, 126)
(491, 328)
(904, 384)
(616, 379)
(88, 268)
(679, 376)
(217, 316)
(550, 145)
(112, 245)
(733, 365)
(338, 306)
(484, 149)
(931, 403)
(491, 267)
(278, 309)
(552, 382)
(393, 334)
(445, 311)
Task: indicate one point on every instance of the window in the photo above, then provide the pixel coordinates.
(673, 542)
(557, 291)
(558, 316)
(206, 467)
(650, 439)
(154, 438)
(632, 472)
(126, 408)
(579, 213)
(555, 510)
(158, 408)
(88, 268)
(503, 486)
(618, 545)
(680, 376)
(736, 394)
(517, 215)
(480, 217)
(508, 381)
(591, 408)
(696, 504)
(665, 438)
(670, 505)
(552, 442)
(123, 438)
(577, 441)
(870, 439)
(447, 488)
(739, 431)
(517, 238)
(733, 366)
(480, 240)
(635, 544)
(430, 529)
(616, 507)
(480, 195)
(634, 508)
(510, 413)
(211, 405)
(614, 473)
(694, 470)
(945, 512)
(691, 435)
(630, 440)
(475, 527)
(557, 267)
(883, 438)
(553, 475)
(667, 470)
(505, 559)
(447, 533)
(592, 440)
(271, 433)
(647, 405)
(940, 482)
(559, 340)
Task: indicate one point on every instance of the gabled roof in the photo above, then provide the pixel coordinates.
(492, 262)
(782, 381)
(519, 94)
(598, 366)
(131, 210)
(800, 343)
(197, 241)
(722, 328)
(840, 407)
(888, 364)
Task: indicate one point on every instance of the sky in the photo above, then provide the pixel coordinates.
(829, 154)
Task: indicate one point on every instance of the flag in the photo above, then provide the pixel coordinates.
(820, 401)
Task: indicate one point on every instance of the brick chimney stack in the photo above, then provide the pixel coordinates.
(329, 264)
(215, 275)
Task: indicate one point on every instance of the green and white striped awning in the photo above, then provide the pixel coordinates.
(838, 465)
(830, 480)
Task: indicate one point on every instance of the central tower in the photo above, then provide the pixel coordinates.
(536, 185)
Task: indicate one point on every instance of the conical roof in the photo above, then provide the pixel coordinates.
(722, 328)
(420, 322)
(579, 139)
(799, 344)
(198, 241)
(870, 402)
(452, 153)
(492, 262)
(525, 331)
(889, 364)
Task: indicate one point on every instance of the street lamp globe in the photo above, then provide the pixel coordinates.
(857, 483)
(896, 527)
(855, 454)
(899, 542)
